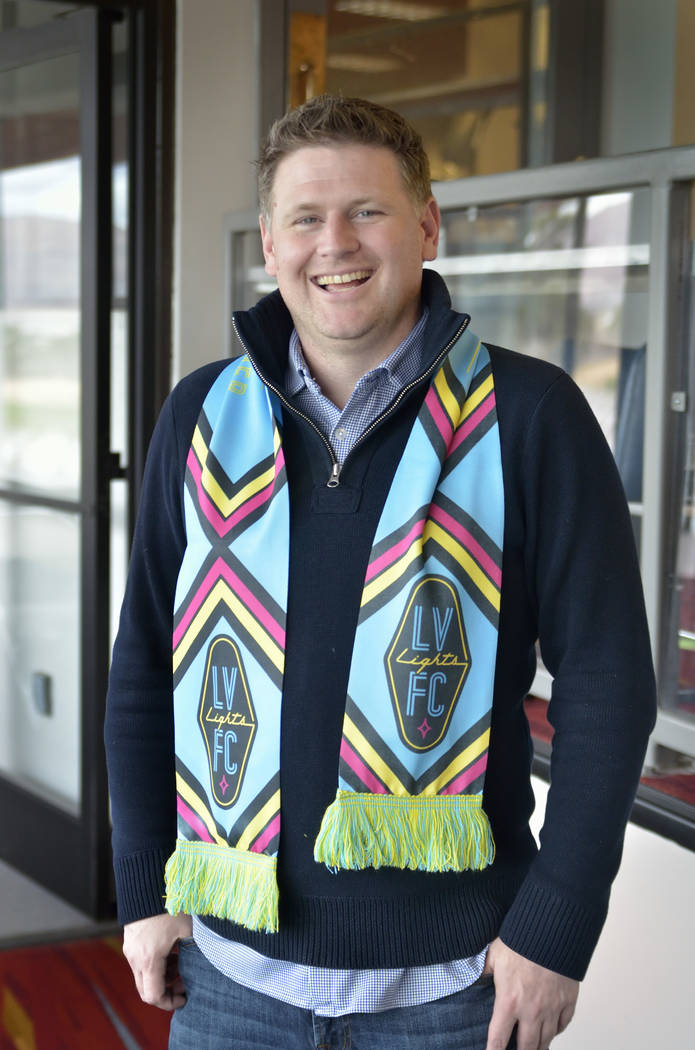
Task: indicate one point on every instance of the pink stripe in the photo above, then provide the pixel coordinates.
(265, 837)
(261, 497)
(352, 759)
(472, 422)
(441, 419)
(220, 570)
(471, 544)
(395, 552)
(193, 820)
(221, 524)
(467, 777)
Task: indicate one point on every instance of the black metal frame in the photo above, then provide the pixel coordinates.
(71, 854)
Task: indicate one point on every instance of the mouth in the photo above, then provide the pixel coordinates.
(342, 280)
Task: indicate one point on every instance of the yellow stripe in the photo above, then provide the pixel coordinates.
(224, 504)
(449, 402)
(263, 817)
(474, 399)
(472, 752)
(17, 1022)
(198, 806)
(372, 758)
(239, 610)
(389, 575)
(475, 355)
(461, 555)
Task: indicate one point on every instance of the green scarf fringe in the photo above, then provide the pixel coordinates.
(203, 878)
(425, 832)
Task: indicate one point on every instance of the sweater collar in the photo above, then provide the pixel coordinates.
(265, 329)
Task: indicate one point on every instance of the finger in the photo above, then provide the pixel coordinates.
(528, 1036)
(153, 982)
(500, 1031)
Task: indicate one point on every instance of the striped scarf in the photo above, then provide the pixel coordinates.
(416, 727)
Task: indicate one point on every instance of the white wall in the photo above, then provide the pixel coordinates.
(640, 988)
(215, 148)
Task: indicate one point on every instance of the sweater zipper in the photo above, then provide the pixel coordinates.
(336, 469)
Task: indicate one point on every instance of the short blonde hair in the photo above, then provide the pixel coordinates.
(333, 119)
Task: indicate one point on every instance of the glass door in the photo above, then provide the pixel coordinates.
(55, 464)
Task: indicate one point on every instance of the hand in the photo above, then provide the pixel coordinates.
(540, 1002)
(148, 946)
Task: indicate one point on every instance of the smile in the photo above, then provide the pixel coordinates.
(355, 277)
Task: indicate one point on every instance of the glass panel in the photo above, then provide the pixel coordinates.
(250, 279)
(493, 85)
(40, 651)
(679, 693)
(565, 280)
(40, 279)
(454, 69)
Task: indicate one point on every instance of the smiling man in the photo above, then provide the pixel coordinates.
(355, 532)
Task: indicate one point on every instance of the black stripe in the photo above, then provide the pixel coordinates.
(381, 747)
(198, 789)
(479, 535)
(230, 625)
(471, 441)
(461, 744)
(253, 808)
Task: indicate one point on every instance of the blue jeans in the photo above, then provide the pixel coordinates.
(222, 1015)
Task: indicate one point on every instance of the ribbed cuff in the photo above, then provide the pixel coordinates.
(140, 885)
(545, 926)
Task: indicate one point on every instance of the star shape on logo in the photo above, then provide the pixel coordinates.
(424, 728)
(224, 784)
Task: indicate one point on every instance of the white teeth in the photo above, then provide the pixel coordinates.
(343, 278)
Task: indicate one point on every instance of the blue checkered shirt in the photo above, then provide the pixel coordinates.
(333, 993)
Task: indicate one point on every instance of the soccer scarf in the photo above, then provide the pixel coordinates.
(416, 727)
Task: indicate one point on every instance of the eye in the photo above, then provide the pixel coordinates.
(306, 220)
(366, 213)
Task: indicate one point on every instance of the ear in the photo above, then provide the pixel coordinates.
(430, 222)
(268, 249)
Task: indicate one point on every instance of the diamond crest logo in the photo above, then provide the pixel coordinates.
(227, 719)
(427, 663)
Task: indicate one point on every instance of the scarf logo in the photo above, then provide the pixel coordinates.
(427, 663)
(227, 719)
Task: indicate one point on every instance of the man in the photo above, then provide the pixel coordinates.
(356, 532)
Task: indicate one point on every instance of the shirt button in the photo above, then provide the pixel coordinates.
(339, 433)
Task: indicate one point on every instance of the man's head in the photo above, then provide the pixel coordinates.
(345, 232)
(333, 120)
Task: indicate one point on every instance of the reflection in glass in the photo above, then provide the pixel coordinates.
(564, 280)
(679, 694)
(40, 651)
(39, 279)
(455, 69)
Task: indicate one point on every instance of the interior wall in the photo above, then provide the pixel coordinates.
(638, 992)
(215, 149)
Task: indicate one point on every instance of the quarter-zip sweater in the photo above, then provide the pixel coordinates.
(570, 579)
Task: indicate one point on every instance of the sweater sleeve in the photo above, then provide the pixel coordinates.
(582, 569)
(139, 733)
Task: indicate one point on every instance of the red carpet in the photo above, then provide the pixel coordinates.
(77, 995)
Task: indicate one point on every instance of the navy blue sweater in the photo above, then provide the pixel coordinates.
(570, 579)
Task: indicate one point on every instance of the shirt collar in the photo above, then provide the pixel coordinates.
(398, 366)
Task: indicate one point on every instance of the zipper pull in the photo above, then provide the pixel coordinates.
(334, 479)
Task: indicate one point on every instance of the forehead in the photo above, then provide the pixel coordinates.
(345, 169)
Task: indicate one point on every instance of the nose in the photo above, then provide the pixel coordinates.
(338, 236)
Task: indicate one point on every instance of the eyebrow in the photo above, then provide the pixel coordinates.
(306, 206)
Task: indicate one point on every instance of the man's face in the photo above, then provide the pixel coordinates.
(346, 243)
